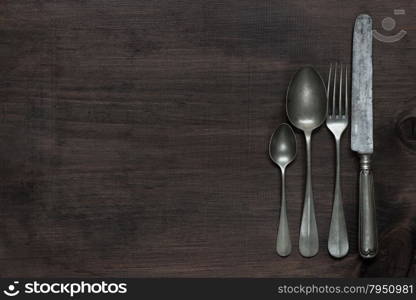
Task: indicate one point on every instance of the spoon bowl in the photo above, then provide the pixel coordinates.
(306, 104)
(282, 147)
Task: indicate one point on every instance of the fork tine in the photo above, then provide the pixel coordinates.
(328, 87)
(335, 86)
(346, 91)
(340, 92)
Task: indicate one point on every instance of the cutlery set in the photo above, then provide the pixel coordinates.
(309, 104)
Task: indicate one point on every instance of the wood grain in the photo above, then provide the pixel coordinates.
(134, 137)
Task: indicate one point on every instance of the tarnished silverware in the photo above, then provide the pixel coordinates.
(306, 106)
(362, 131)
(337, 122)
(282, 151)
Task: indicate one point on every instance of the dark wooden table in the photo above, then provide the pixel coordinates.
(134, 137)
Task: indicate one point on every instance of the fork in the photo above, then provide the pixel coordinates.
(337, 122)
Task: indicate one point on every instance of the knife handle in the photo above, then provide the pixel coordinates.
(367, 211)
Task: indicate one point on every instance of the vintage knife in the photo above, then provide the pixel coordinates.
(362, 131)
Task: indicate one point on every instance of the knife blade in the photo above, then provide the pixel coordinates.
(362, 131)
(362, 87)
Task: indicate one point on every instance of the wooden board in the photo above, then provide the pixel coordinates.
(134, 137)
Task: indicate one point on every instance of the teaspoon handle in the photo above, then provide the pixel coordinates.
(283, 243)
(308, 239)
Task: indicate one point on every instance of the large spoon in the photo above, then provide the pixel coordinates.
(282, 151)
(306, 106)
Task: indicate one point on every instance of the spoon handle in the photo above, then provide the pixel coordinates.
(338, 237)
(283, 243)
(308, 239)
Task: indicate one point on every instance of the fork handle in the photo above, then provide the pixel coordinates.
(367, 212)
(338, 236)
